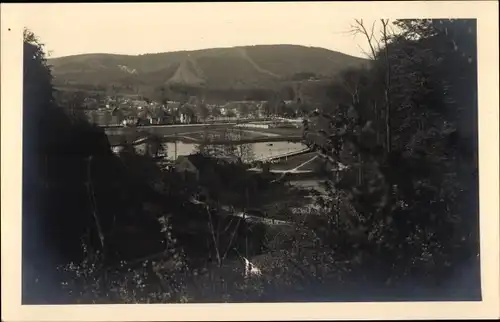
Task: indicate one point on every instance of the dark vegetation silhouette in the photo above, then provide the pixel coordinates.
(407, 130)
(77, 192)
(56, 150)
(400, 221)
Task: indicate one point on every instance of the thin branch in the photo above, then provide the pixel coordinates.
(359, 28)
(387, 85)
(363, 51)
(93, 203)
(231, 240)
(213, 236)
(372, 30)
(393, 33)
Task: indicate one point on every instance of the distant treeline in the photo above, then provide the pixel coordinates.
(290, 90)
(178, 94)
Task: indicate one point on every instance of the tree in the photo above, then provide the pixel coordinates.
(245, 153)
(244, 109)
(231, 114)
(202, 111)
(112, 91)
(376, 49)
(216, 111)
(163, 97)
(94, 118)
(405, 201)
(107, 117)
(267, 108)
(52, 186)
(76, 100)
(118, 114)
(288, 93)
(156, 146)
(98, 101)
(189, 113)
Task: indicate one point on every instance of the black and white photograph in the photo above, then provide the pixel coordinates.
(252, 152)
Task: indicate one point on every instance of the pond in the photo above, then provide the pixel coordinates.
(259, 150)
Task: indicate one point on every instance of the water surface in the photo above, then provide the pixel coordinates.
(259, 149)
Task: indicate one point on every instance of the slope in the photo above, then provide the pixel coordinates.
(261, 66)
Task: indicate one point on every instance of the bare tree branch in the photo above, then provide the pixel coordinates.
(92, 198)
(364, 51)
(359, 28)
(212, 229)
(385, 23)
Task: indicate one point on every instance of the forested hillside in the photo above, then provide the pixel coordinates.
(398, 218)
(216, 70)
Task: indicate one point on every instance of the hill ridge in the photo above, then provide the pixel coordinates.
(188, 73)
(198, 50)
(237, 67)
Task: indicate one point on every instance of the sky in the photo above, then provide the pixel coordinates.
(139, 28)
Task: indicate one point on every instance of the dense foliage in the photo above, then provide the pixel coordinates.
(406, 129)
(88, 211)
(56, 147)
